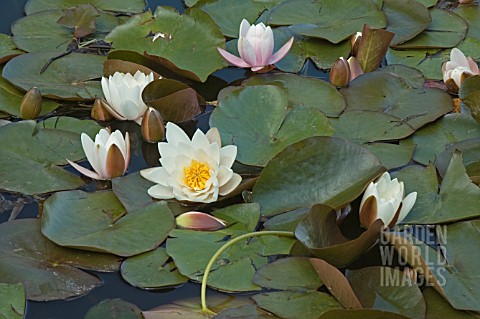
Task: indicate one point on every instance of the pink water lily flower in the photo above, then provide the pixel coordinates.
(458, 69)
(255, 46)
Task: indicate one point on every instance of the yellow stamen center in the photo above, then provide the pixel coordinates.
(196, 175)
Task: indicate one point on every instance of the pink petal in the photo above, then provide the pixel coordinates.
(266, 46)
(473, 66)
(458, 56)
(280, 54)
(84, 170)
(246, 51)
(233, 59)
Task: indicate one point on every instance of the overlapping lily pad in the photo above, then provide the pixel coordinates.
(470, 95)
(438, 307)
(456, 198)
(392, 155)
(316, 170)
(33, 151)
(48, 271)
(261, 123)
(70, 77)
(41, 32)
(235, 268)
(305, 90)
(428, 61)
(151, 270)
(12, 301)
(331, 20)
(114, 309)
(470, 153)
(471, 14)
(99, 222)
(131, 6)
(199, 56)
(7, 48)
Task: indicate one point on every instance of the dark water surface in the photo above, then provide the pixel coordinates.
(113, 285)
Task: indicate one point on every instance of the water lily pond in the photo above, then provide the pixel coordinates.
(239, 159)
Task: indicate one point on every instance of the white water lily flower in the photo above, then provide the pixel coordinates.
(109, 155)
(255, 46)
(384, 200)
(458, 69)
(197, 170)
(123, 93)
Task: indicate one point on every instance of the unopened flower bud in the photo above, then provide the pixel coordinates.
(355, 68)
(153, 129)
(355, 41)
(340, 73)
(200, 221)
(31, 105)
(100, 110)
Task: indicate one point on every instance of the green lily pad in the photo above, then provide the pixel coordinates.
(428, 3)
(287, 221)
(48, 271)
(67, 78)
(316, 170)
(334, 21)
(235, 268)
(66, 125)
(320, 234)
(456, 198)
(11, 98)
(429, 62)
(434, 138)
(470, 153)
(248, 311)
(127, 6)
(98, 222)
(8, 49)
(405, 18)
(446, 30)
(114, 309)
(199, 56)
(305, 90)
(438, 307)
(390, 94)
(296, 305)
(30, 150)
(392, 155)
(258, 120)
(360, 314)
(387, 289)
(470, 95)
(471, 14)
(41, 32)
(293, 274)
(151, 270)
(131, 190)
(12, 301)
(81, 18)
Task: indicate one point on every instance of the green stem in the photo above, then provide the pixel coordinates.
(222, 249)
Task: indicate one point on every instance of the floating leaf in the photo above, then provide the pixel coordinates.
(67, 78)
(114, 309)
(321, 236)
(151, 270)
(258, 120)
(360, 314)
(12, 301)
(455, 199)
(392, 155)
(434, 138)
(446, 30)
(131, 190)
(130, 6)
(11, 98)
(98, 222)
(429, 62)
(199, 56)
(470, 95)
(48, 271)
(248, 311)
(8, 49)
(333, 21)
(438, 307)
(33, 151)
(387, 289)
(176, 102)
(405, 18)
(470, 153)
(304, 90)
(235, 268)
(372, 47)
(316, 170)
(296, 305)
(293, 274)
(81, 18)
(469, 46)
(287, 221)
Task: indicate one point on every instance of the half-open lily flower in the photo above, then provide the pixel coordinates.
(197, 170)
(384, 200)
(199, 221)
(255, 46)
(109, 155)
(458, 69)
(123, 93)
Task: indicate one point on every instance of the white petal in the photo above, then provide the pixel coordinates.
(246, 51)
(457, 56)
(160, 192)
(105, 89)
(84, 170)
(224, 175)
(230, 185)
(370, 191)
(244, 26)
(407, 205)
(386, 212)
(175, 134)
(199, 140)
(166, 149)
(266, 46)
(213, 136)
(227, 155)
(158, 175)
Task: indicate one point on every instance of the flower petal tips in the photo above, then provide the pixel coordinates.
(458, 69)
(123, 93)
(109, 155)
(384, 200)
(255, 47)
(196, 170)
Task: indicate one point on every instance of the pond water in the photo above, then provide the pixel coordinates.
(113, 285)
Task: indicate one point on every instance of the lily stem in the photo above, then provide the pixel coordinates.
(222, 249)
